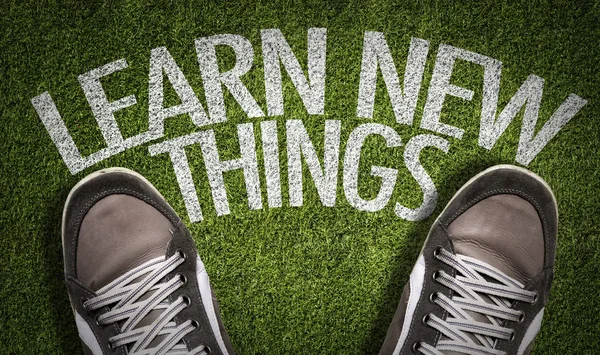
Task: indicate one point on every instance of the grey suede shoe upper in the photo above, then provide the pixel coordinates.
(114, 222)
(507, 218)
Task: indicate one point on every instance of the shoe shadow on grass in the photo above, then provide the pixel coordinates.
(63, 322)
(411, 248)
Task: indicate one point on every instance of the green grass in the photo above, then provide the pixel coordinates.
(295, 279)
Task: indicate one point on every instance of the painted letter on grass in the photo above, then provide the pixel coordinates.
(215, 168)
(312, 92)
(376, 52)
(162, 61)
(212, 78)
(270, 145)
(351, 162)
(103, 109)
(175, 148)
(411, 158)
(530, 96)
(298, 145)
(440, 87)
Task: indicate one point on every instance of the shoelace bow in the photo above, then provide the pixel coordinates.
(135, 294)
(462, 332)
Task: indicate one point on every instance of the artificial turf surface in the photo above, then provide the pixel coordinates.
(308, 279)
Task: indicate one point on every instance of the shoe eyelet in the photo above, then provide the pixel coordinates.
(183, 279)
(512, 336)
(98, 321)
(521, 317)
(435, 275)
(437, 251)
(207, 349)
(83, 300)
(416, 346)
(181, 254)
(187, 301)
(195, 324)
(425, 319)
(432, 297)
(110, 345)
(536, 296)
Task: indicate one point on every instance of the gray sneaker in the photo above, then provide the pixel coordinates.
(483, 276)
(135, 281)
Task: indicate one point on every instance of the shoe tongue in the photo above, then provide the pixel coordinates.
(150, 317)
(146, 321)
(119, 233)
(478, 317)
(503, 231)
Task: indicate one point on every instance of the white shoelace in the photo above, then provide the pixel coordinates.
(135, 294)
(480, 288)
